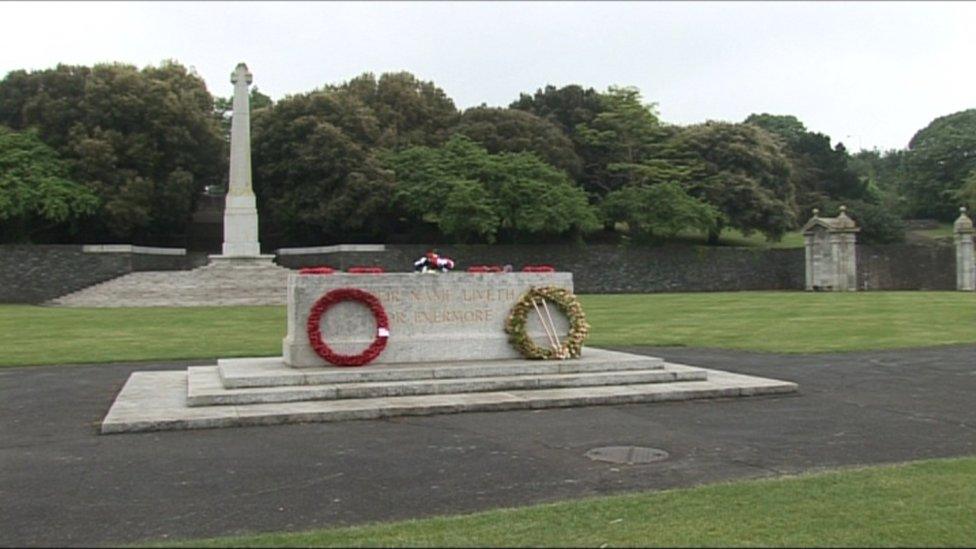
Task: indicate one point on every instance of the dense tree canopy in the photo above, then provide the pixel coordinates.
(512, 130)
(661, 210)
(820, 173)
(741, 170)
(35, 191)
(315, 172)
(472, 194)
(144, 141)
(115, 152)
(940, 158)
(408, 111)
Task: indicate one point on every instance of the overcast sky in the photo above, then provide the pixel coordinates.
(868, 74)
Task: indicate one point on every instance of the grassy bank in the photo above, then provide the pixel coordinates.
(928, 503)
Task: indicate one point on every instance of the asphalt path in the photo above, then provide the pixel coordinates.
(62, 484)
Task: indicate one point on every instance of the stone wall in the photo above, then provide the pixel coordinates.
(905, 267)
(601, 268)
(33, 274)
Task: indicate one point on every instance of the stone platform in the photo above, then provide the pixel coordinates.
(216, 284)
(264, 391)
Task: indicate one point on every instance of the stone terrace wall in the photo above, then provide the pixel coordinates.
(604, 268)
(33, 274)
(37, 273)
(906, 267)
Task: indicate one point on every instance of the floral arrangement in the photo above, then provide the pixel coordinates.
(323, 270)
(536, 299)
(538, 269)
(313, 327)
(484, 269)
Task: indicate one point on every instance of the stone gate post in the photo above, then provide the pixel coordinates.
(831, 259)
(965, 267)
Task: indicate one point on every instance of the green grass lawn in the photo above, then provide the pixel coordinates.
(56, 335)
(944, 230)
(792, 322)
(926, 503)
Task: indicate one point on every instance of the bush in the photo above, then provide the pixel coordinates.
(878, 224)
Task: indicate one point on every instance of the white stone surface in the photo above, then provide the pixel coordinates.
(433, 317)
(157, 401)
(208, 385)
(128, 248)
(332, 249)
(272, 371)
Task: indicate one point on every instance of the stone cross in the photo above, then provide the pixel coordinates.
(965, 266)
(240, 209)
(240, 132)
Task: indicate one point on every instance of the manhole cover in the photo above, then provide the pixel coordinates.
(627, 454)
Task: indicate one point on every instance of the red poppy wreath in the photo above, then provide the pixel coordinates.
(313, 327)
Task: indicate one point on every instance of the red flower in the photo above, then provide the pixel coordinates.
(313, 327)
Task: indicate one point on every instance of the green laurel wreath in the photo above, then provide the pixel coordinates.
(515, 324)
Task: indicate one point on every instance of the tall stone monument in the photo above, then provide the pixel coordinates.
(831, 260)
(965, 266)
(240, 211)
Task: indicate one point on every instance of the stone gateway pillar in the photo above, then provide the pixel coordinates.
(831, 259)
(965, 263)
(240, 209)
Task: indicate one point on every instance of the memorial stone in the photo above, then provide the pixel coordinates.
(433, 318)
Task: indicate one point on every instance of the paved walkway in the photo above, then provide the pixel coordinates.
(61, 484)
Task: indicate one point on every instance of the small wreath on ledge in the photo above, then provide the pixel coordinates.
(535, 300)
(313, 327)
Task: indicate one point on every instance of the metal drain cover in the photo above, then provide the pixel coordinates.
(627, 454)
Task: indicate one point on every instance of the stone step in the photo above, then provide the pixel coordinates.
(272, 371)
(156, 401)
(205, 389)
(214, 284)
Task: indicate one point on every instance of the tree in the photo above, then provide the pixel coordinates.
(662, 210)
(883, 174)
(878, 224)
(35, 191)
(512, 130)
(568, 107)
(742, 171)
(408, 111)
(145, 142)
(467, 192)
(940, 157)
(316, 175)
(786, 126)
(629, 140)
(820, 172)
(966, 195)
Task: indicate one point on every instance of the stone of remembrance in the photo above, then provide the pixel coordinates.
(446, 352)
